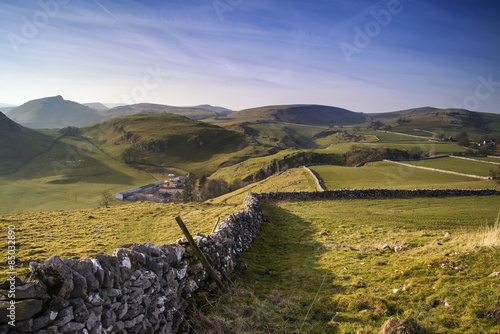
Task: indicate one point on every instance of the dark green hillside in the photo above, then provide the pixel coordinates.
(53, 112)
(18, 144)
(389, 117)
(191, 112)
(304, 114)
(440, 120)
(219, 110)
(168, 140)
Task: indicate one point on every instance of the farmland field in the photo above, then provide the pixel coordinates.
(348, 266)
(388, 175)
(456, 165)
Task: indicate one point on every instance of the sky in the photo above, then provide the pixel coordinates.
(365, 56)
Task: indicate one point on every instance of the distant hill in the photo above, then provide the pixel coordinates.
(6, 110)
(95, 105)
(53, 112)
(17, 144)
(441, 119)
(387, 117)
(219, 110)
(168, 140)
(305, 114)
(190, 112)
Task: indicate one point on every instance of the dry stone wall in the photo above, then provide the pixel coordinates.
(146, 288)
(140, 289)
(368, 193)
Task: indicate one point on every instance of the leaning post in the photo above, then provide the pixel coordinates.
(201, 256)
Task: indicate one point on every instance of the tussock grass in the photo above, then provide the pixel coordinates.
(485, 236)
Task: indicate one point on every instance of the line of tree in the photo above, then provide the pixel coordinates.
(202, 189)
(361, 153)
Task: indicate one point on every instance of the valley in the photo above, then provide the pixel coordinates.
(334, 266)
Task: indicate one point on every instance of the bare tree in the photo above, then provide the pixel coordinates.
(106, 198)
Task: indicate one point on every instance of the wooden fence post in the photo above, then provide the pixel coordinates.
(211, 272)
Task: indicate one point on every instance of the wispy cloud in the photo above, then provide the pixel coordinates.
(263, 52)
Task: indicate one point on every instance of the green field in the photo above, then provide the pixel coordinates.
(393, 176)
(295, 179)
(330, 267)
(87, 233)
(456, 165)
(72, 175)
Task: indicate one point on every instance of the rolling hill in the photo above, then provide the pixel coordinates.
(304, 114)
(18, 144)
(440, 120)
(191, 112)
(219, 110)
(165, 139)
(53, 112)
(96, 105)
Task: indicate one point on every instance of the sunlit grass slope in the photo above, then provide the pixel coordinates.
(87, 233)
(393, 176)
(456, 165)
(170, 140)
(331, 267)
(295, 179)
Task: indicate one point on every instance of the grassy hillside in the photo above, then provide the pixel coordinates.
(392, 176)
(18, 144)
(304, 114)
(330, 267)
(190, 112)
(53, 112)
(429, 121)
(87, 233)
(295, 179)
(71, 175)
(170, 140)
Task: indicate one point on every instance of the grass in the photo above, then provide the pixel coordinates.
(330, 267)
(295, 179)
(392, 176)
(250, 166)
(86, 233)
(19, 146)
(72, 175)
(456, 165)
(181, 142)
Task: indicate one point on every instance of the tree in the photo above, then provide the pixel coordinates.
(495, 174)
(462, 139)
(214, 188)
(106, 198)
(387, 127)
(130, 155)
(355, 128)
(236, 184)
(187, 195)
(202, 181)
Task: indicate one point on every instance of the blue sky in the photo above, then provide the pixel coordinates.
(366, 56)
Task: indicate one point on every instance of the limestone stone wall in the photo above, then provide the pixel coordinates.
(368, 193)
(140, 289)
